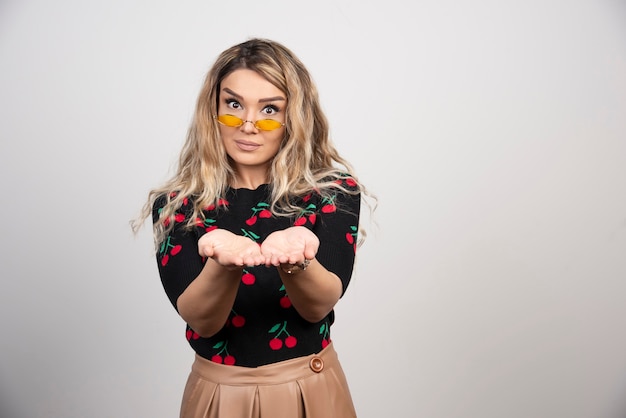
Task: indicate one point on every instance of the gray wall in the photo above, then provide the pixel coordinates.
(494, 134)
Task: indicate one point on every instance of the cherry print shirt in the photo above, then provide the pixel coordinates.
(263, 327)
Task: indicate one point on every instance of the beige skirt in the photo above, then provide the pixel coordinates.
(307, 387)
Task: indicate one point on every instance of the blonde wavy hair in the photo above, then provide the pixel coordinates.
(306, 161)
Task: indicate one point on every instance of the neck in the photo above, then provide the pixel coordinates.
(249, 179)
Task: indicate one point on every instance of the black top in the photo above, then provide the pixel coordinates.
(263, 326)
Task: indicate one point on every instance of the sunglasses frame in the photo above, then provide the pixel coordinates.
(255, 123)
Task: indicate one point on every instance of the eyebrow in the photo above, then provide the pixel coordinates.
(264, 100)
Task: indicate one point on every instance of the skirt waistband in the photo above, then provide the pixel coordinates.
(270, 374)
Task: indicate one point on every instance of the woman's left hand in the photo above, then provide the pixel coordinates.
(290, 246)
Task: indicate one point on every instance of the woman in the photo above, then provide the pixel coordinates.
(256, 237)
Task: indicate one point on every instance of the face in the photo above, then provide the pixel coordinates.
(250, 97)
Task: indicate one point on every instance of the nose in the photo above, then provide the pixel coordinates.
(248, 127)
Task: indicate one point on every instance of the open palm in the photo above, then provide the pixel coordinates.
(230, 250)
(291, 245)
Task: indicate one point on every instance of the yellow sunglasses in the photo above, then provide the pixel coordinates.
(235, 122)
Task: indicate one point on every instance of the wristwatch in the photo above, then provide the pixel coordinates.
(295, 268)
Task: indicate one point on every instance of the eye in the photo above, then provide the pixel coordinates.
(270, 110)
(233, 104)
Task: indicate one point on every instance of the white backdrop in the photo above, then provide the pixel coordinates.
(493, 133)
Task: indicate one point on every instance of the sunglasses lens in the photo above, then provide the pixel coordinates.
(230, 120)
(268, 124)
(234, 122)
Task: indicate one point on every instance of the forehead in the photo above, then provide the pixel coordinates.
(249, 85)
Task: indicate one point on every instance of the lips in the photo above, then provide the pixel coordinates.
(247, 145)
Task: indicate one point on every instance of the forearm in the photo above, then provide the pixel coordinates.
(206, 303)
(313, 292)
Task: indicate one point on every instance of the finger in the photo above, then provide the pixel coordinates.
(253, 256)
(310, 249)
(206, 251)
(249, 262)
(266, 250)
(238, 261)
(258, 259)
(271, 260)
(267, 259)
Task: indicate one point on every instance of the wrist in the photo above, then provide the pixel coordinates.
(295, 268)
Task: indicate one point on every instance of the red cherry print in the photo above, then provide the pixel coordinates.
(207, 223)
(265, 214)
(223, 351)
(248, 279)
(195, 335)
(185, 201)
(285, 302)
(251, 220)
(325, 333)
(306, 198)
(328, 205)
(351, 182)
(188, 334)
(351, 236)
(291, 341)
(220, 202)
(276, 343)
(329, 208)
(165, 247)
(277, 330)
(238, 321)
(179, 217)
(306, 213)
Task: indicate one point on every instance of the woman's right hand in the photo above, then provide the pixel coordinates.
(230, 250)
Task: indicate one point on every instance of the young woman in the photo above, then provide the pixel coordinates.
(256, 237)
